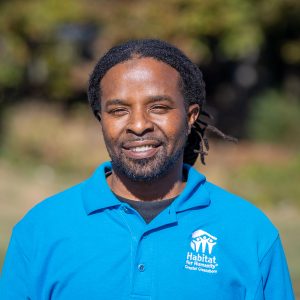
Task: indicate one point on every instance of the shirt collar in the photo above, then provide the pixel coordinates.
(97, 194)
(195, 193)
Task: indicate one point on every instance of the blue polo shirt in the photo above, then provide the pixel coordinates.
(85, 244)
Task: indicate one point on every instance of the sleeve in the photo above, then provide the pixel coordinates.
(14, 279)
(275, 275)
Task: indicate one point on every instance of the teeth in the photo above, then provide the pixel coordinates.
(141, 149)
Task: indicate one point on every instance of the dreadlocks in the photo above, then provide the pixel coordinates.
(192, 87)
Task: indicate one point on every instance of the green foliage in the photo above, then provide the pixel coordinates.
(238, 26)
(268, 185)
(275, 118)
(29, 46)
(29, 38)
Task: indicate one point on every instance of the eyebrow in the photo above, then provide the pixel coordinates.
(159, 98)
(151, 99)
(114, 102)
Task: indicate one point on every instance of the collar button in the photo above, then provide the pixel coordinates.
(126, 209)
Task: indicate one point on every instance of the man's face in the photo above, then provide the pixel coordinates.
(144, 120)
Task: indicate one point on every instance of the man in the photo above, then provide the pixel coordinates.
(146, 225)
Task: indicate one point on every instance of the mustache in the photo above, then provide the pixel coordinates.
(143, 139)
(147, 137)
(150, 139)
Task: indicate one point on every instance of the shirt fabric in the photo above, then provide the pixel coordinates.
(84, 243)
(148, 210)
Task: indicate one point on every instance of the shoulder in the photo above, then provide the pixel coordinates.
(243, 219)
(52, 211)
(49, 220)
(63, 211)
(59, 203)
(234, 204)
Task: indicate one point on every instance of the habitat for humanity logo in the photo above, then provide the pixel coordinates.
(202, 258)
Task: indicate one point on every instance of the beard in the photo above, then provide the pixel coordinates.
(147, 169)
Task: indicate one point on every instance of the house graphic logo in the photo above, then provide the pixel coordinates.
(203, 241)
(201, 258)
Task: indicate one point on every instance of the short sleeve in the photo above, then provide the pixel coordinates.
(276, 280)
(15, 273)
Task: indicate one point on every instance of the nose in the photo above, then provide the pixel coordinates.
(139, 123)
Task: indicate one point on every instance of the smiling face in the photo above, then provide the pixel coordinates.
(144, 120)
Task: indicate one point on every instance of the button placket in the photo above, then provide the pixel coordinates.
(144, 271)
(141, 252)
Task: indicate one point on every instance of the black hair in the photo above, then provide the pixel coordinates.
(192, 86)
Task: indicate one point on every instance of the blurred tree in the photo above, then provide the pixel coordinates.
(36, 55)
(275, 119)
(244, 46)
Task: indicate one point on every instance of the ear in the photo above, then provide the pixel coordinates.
(193, 113)
(98, 116)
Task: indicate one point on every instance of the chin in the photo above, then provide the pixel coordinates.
(147, 169)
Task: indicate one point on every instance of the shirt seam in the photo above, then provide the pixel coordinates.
(262, 259)
(269, 249)
(26, 257)
(18, 245)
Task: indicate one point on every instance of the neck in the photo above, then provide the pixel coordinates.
(166, 187)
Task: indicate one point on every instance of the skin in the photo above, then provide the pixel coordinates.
(142, 105)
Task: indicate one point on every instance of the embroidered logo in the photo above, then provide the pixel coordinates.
(202, 258)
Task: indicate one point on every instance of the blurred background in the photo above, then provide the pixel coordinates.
(249, 52)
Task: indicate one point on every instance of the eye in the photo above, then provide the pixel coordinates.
(160, 109)
(118, 112)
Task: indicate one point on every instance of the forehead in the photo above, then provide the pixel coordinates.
(141, 73)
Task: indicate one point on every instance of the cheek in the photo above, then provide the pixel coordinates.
(174, 126)
(110, 132)
(111, 129)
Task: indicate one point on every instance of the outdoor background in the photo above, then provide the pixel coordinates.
(249, 51)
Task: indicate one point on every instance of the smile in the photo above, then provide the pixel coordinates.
(142, 148)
